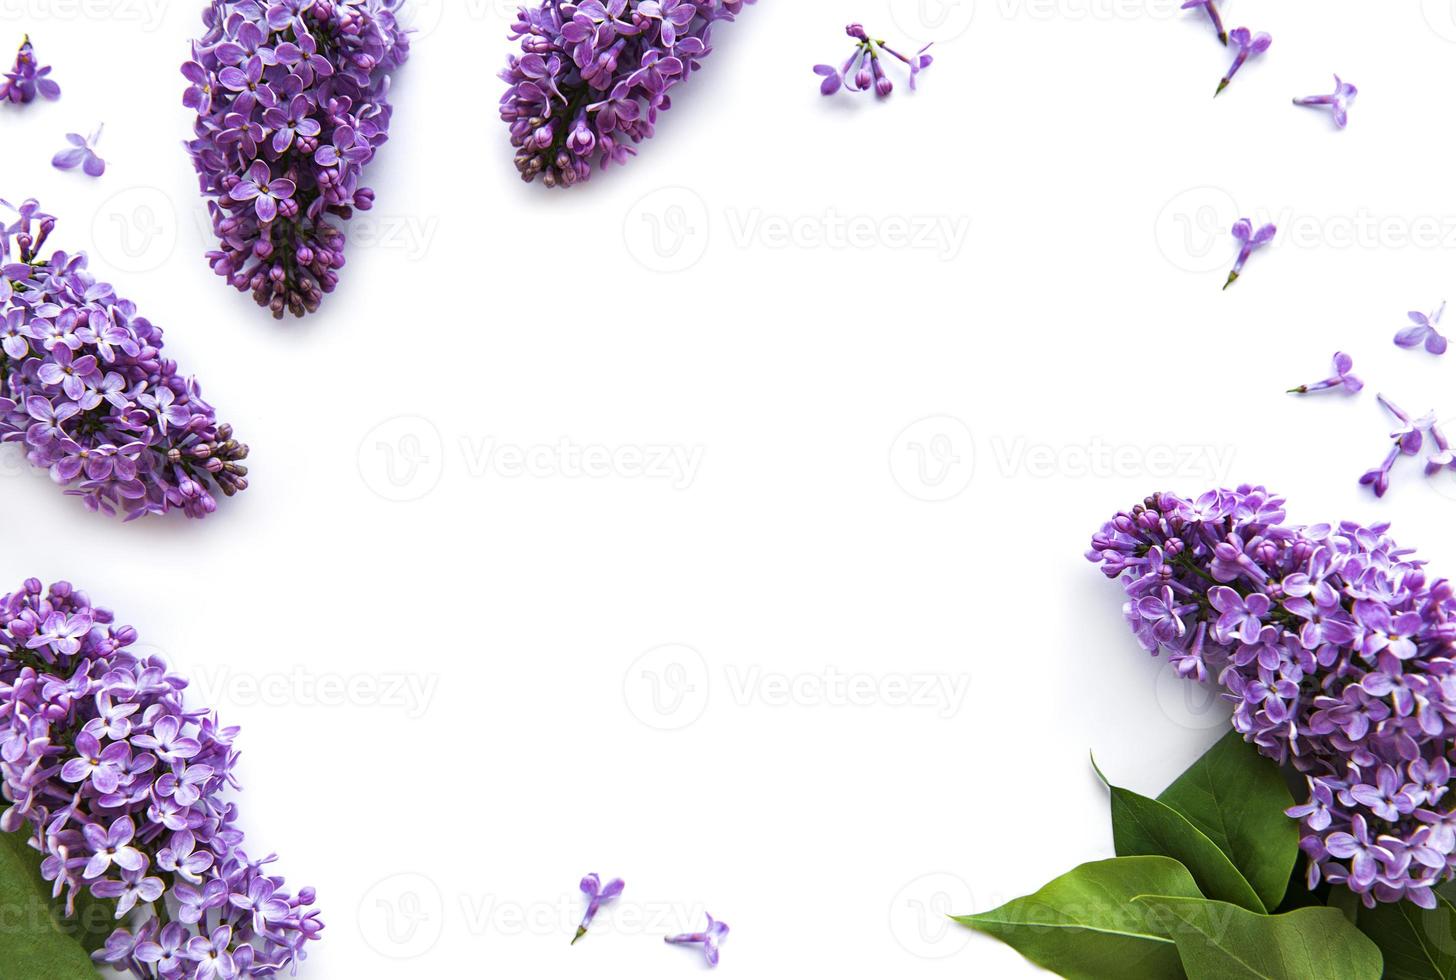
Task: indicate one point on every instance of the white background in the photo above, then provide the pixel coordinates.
(1064, 331)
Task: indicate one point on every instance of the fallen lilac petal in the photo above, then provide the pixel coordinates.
(1424, 332)
(1212, 8)
(597, 895)
(27, 79)
(82, 153)
(1249, 240)
(1339, 101)
(1249, 45)
(1341, 379)
(709, 939)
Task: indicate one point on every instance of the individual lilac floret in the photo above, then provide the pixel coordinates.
(1338, 101)
(126, 792)
(1212, 7)
(22, 83)
(709, 938)
(597, 895)
(1249, 45)
(1249, 240)
(1425, 332)
(81, 153)
(1443, 457)
(592, 78)
(1407, 440)
(292, 104)
(1335, 647)
(863, 69)
(1342, 379)
(86, 390)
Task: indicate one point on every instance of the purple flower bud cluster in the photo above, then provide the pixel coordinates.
(863, 70)
(292, 103)
(85, 388)
(121, 788)
(593, 76)
(1339, 654)
(22, 83)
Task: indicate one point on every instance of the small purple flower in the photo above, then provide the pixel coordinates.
(1249, 240)
(22, 83)
(1409, 436)
(1443, 458)
(270, 195)
(863, 70)
(597, 895)
(710, 939)
(82, 153)
(1378, 479)
(1249, 45)
(1424, 332)
(1338, 101)
(1212, 7)
(1341, 379)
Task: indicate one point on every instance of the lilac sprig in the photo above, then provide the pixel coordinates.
(125, 793)
(710, 939)
(1425, 332)
(863, 70)
(597, 895)
(1338, 101)
(27, 79)
(85, 389)
(1342, 380)
(1249, 240)
(292, 104)
(1212, 8)
(1249, 45)
(592, 78)
(1337, 650)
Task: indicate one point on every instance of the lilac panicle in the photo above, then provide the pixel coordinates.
(1212, 7)
(125, 793)
(1338, 101)
(709, 939)
(1249, 45)
(597, 895)
(1249, 240)
(1337, 650)
(863, 70)
(292, 102)
(592, 78)
(85, 389)
(1342, 379)
(27, 79)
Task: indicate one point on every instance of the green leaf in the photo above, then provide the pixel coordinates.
(1418, 944)
(1086, 925)
(35, 941)
(1144, 826)
(1219, 941)
(1238, 798)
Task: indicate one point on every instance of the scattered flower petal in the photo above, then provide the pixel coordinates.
(1212, 7)
(1342, 379)
(1424, 332)
(710, 939)
(1249, 240)
(597, 895)
(22, 83)
(1338, 101)
(1249, 45)
(82, 153)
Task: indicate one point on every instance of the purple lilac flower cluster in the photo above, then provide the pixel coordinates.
(593, 76)
(120, 787)
(1335, 646)
(292, 103)
(22, 83)
(85, 388)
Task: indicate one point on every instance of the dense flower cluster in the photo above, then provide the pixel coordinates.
(120, 787)
(27, 79)
(593, 76)
(85, 388)
(1336, 649)
(292, 103)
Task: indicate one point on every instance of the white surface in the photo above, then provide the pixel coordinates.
(1065, 140)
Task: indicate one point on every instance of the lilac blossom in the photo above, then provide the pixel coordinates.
(1407, 440)
(597, 895)
(592, 78)
(863, 70)
(85, 389)
(1249, 240)
(104, 810)
(709, 939)
(27, 79)
(292, 103)
(1334, 645)
(1249, 45)
(1442, 458)
(1338, 101)
(1424, 332)
(82, 153)
(1211, 6)
(1341, 380)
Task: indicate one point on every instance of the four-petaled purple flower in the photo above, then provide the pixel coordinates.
(1249, 240)
(709, 938)
(597, 895)
(82, 153)
(1249, 45)
(1342, 379)
(27, 79)
(1424, 332)
(1338, 101)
